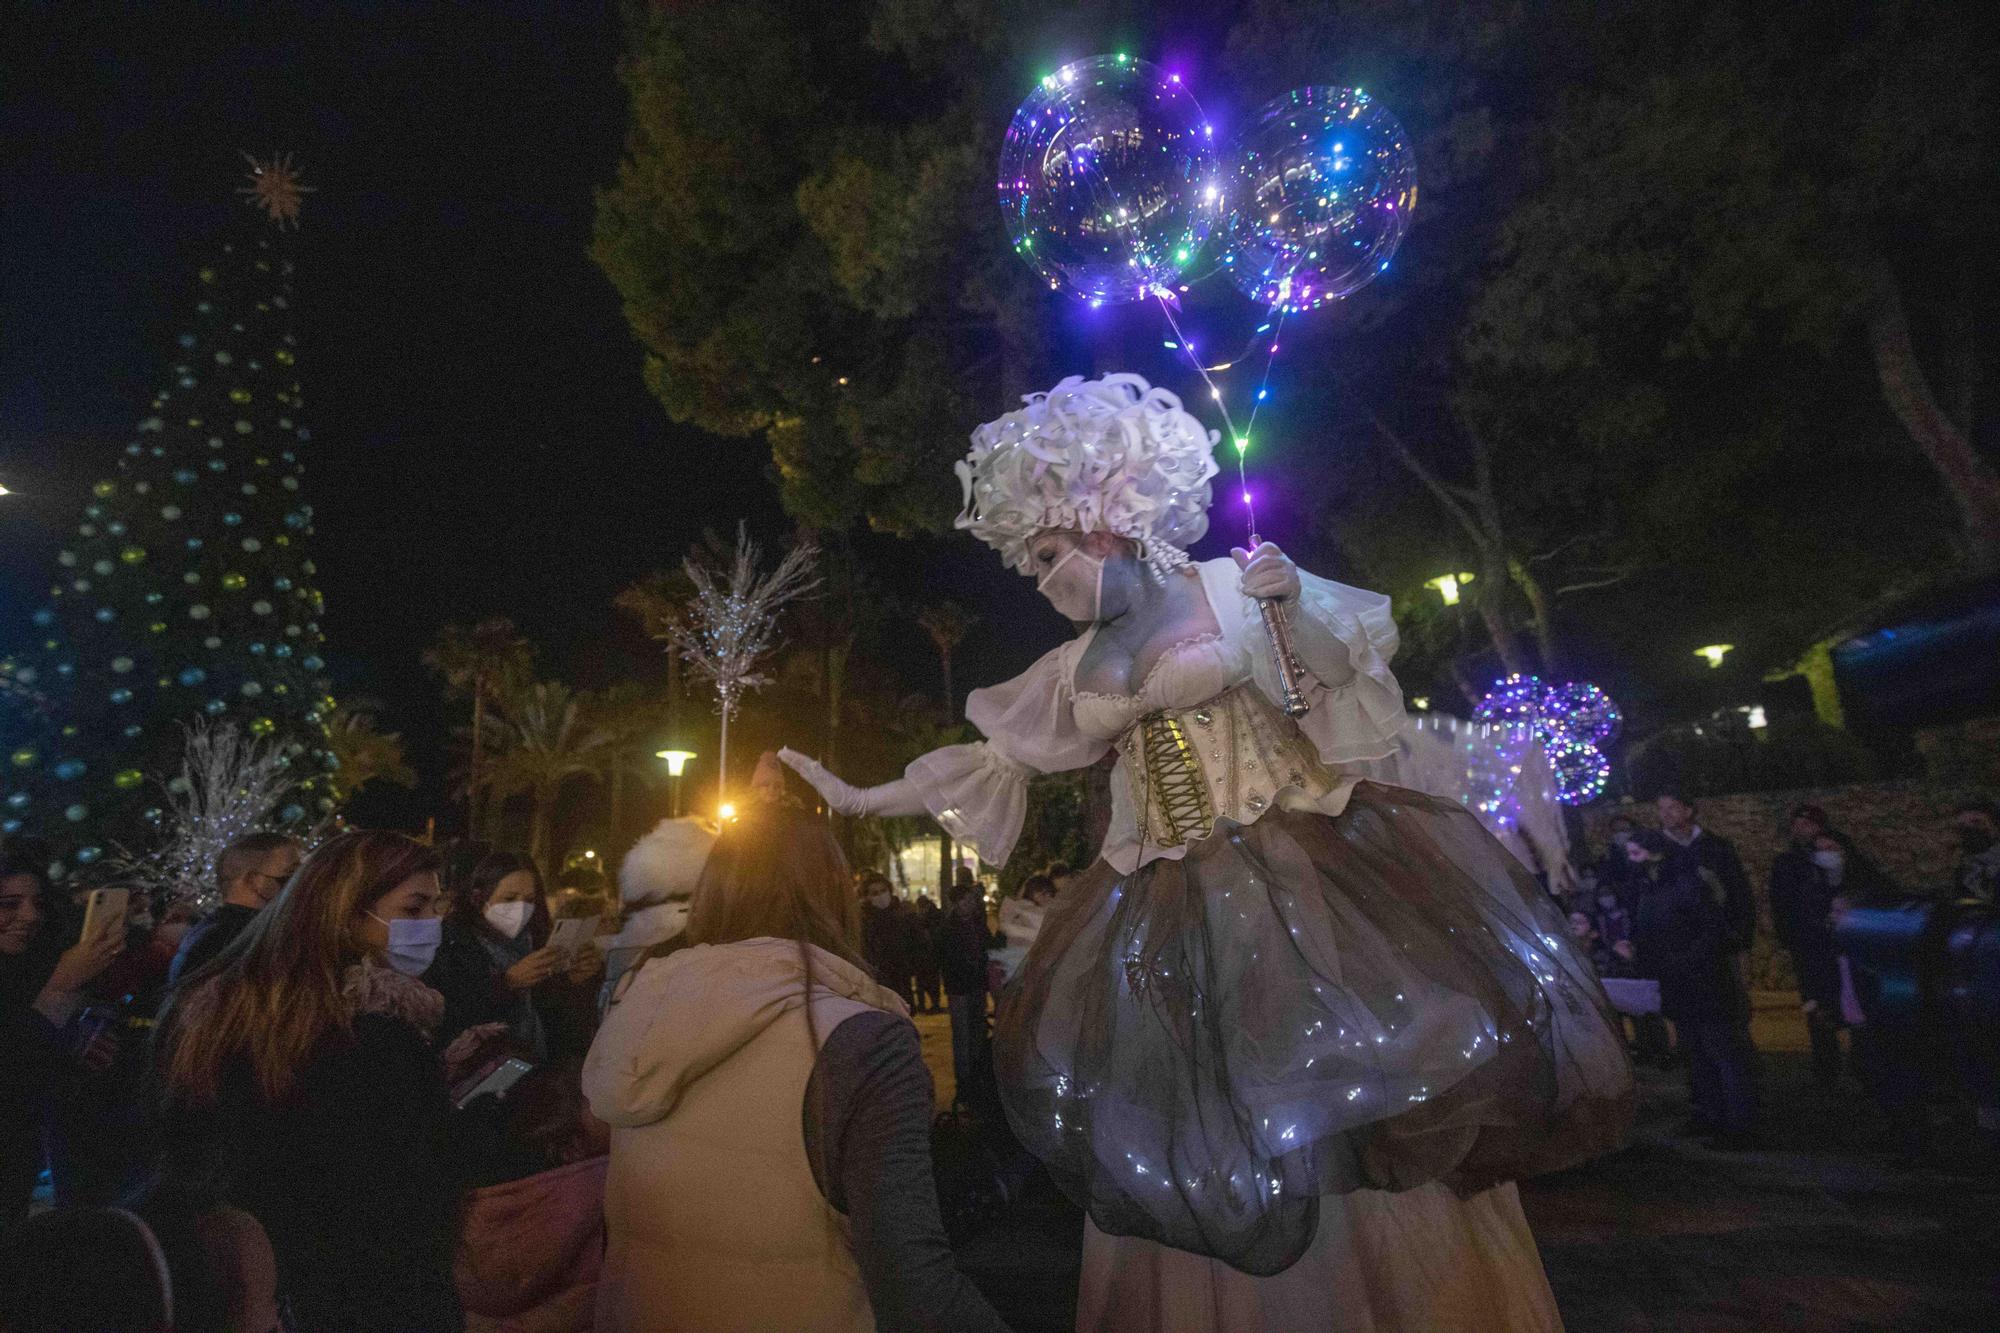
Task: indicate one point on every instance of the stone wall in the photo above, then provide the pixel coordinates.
(1903, 826)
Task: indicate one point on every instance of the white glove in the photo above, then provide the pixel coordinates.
(891, 798)
(1268, 573)
(842, 798)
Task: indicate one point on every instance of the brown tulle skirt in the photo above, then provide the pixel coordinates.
(1301, 1006)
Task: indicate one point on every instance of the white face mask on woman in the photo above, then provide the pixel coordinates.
(508, 918)
(413, 942)
(1832, 862)
(1074, 599)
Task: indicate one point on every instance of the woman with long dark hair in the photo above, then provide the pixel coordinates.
(299, 1079)
(720, 1214)
(493, 955)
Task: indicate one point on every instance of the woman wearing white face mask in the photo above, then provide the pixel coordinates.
(300, 1081)
(492, 959)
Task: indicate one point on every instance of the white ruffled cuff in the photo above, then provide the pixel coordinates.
(979, 795)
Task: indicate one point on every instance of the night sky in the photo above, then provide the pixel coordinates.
(483, 440)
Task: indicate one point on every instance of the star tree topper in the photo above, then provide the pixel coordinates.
(274, 187)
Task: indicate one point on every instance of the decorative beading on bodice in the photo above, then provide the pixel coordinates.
(1231, 757)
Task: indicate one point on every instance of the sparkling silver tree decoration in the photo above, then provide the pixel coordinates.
(731, 625)
(230, 785)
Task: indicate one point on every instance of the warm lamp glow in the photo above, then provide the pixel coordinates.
(1420, 702)
(1714, 653)
(1448, 586)
(5, 491)
(728, 810)
(677, 760)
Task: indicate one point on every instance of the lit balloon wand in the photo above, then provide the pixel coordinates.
(1108, 187)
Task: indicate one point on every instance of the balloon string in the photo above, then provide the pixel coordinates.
(1239, 441)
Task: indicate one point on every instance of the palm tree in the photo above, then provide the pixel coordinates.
(550, 743)
(482, 662)
(947, 623)
(365, 753)
(630, 717)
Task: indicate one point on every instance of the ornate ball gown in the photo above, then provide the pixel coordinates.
(1292, 1038)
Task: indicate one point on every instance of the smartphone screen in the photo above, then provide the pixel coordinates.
(573, 932)
(504, 1076)
(104, 912)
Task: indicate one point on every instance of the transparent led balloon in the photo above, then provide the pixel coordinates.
(1108, 179)
(1320, 186)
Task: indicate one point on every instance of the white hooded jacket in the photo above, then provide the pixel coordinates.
(714, 1221)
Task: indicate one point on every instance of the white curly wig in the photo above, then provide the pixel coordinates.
(1116, 454)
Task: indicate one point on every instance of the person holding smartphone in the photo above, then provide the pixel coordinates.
(494, 957)
(298, 1072)
(41, 994)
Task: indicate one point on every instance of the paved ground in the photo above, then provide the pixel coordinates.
(1823, 1231)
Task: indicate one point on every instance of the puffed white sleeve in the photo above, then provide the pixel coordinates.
(1344, 638)
(979, 792)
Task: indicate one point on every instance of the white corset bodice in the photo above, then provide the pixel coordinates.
(1198, 742)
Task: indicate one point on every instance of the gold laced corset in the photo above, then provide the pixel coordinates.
(1230, 757)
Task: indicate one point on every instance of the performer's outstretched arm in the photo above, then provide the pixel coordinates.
(844, 798)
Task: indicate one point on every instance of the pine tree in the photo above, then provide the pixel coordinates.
(186, 589)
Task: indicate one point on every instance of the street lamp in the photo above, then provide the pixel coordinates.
(1714, 653)
(1448, 586)
(677, 762)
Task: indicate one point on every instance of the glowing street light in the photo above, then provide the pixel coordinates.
(727, 810)
(5, 491)
(1714, 653)
(677, 762)
(1448, 586)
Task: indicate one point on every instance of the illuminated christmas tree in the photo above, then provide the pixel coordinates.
(186, 589)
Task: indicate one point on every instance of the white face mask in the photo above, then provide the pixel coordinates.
(508, 918)
(1830, 861)
(1073, 600)
(413, 942)
(880, 900)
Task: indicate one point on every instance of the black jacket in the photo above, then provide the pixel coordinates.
(1682, 939)
(1801, 905)
(349, 1175)
(962, 942)
(208, 937)
(474, 985)
(1717, 855)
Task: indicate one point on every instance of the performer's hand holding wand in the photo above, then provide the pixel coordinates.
(1270, 576)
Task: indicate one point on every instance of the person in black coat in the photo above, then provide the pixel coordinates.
(493, 957)
(250, 872)
(1816, 867)
(300, 1082)
(885, 935)
(962, 943)
(42, 990)
(1717, 855)
(1682, 938)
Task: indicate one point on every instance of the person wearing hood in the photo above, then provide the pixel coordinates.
(721, 1214)
(493, 953)
(298, 1079)
(655, 886)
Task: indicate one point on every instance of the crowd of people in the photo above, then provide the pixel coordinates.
(1674, 909)
(381, 1085)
